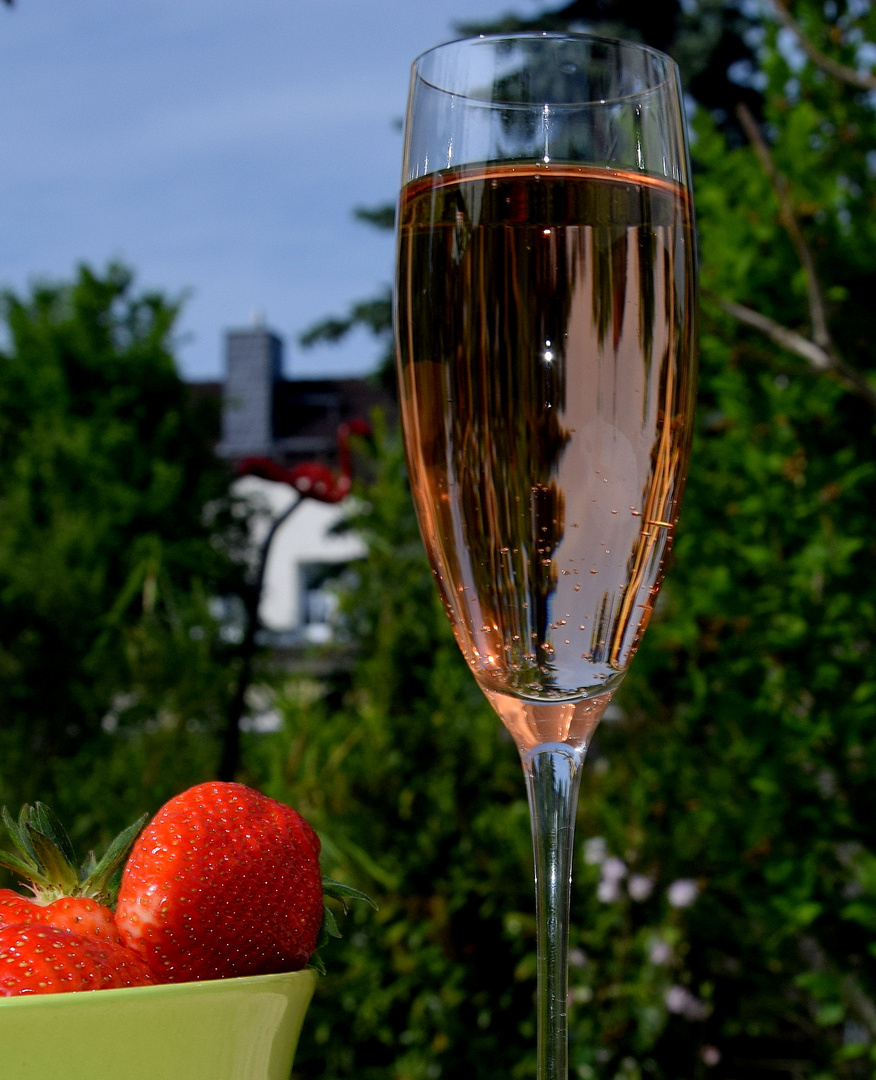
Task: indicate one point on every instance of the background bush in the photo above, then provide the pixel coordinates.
(117, 533)
(724, 905)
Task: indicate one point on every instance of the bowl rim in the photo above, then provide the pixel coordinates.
(202, 987)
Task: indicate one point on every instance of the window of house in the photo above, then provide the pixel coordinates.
(319, 601)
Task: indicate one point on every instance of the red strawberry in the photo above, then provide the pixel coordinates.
(81, 914)
(223, 881)
(44, 960)
(63, 897)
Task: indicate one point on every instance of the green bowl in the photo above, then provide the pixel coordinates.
(225, 1029)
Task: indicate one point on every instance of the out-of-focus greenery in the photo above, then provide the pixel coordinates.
(724, 904)
(724, 910)
(116, 536)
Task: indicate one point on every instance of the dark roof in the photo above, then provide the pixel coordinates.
(307, 412)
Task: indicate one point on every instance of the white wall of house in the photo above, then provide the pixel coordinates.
(303, 543)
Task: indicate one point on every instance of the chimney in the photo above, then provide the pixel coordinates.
(253, 367)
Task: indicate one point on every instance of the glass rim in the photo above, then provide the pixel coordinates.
(666, 61)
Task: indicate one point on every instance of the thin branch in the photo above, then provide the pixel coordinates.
(857, 1002)
(843, 72)
(790, 340)
(230, 759)
(818, 359)
(819, 351)
(788, 217)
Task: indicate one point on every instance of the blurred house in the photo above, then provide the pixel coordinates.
(290, 422)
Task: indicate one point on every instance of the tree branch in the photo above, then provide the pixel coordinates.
(855, 999)
(790, 340)
(819, 351)
(788, 218)
(838, 71)
(819, 359)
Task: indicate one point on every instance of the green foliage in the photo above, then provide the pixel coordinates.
(113, 535)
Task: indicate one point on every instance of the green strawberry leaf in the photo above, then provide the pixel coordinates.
(102, 877)
(56, 869)
(338, 891)
(41, 818)
(18, 832)
(330, 924)
(19, 866)
(334, 890)
(44, 857)
(23, 859)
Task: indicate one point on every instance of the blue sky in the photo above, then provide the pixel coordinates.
(216, 146)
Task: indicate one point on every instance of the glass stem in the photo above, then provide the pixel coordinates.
(553, 777)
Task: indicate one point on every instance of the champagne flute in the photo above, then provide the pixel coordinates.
(545, 304)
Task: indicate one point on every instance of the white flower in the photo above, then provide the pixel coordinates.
(613, 869)
(682, 1002)
(595, 851)
(640, 886)
(660, 953)
(711, 1055)
(683, 893)
(607, 891)
(577, 958)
